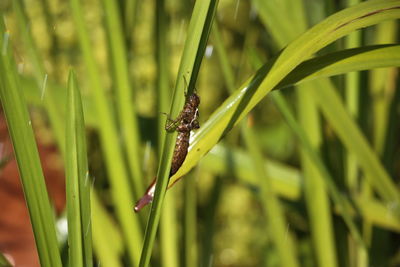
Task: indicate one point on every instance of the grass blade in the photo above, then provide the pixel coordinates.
(277, 221)
(348, 60)
(382, 83)
(278, 225)
(4, 262)
(117, 172)
(286, 180)
(336, 63)
(190, 222)
(126, 108)
(169, 235)
(77, 180)
(26, 153)
(104, 229)
(269, 76)
(40, 74)
(343, 204)
(202, 17)
(315, 192)
(334, 110)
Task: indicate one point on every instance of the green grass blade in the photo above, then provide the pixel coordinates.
(73, 173)
(117, 172)
(169, 234)
(223, 58)
(202, 17)
(54, 42)
(77, 180)
(190, 222)
(342, 202)
(336, 63)
(382, 84)
(130, 16)
(281, 28)
(352, 91)
(315, 192)
(277, 221)
(278, 225)
(126, 107)
(267, 78)
(104, 229)
(26, 153)
(352, 99)
(334, 110)
(47, 94)
(378, 213)
(4, 262)
(285, 179)
(163, 81)
(347, 60)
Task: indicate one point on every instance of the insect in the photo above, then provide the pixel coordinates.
(186, 121)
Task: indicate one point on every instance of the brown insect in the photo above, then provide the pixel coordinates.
(186, 121)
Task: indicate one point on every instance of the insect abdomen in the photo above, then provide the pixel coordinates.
(180, 151)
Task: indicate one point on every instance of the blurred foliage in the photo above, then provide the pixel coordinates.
(231, 226)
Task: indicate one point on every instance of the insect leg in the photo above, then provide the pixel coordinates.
(171, 124)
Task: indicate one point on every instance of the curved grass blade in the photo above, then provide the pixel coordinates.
(197, 37)
(315, 192)
(268, 77)
(336, 63)
(349, 60)
(27, 156)
(77, 181)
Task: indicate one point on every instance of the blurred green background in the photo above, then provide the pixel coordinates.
(218, 214)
